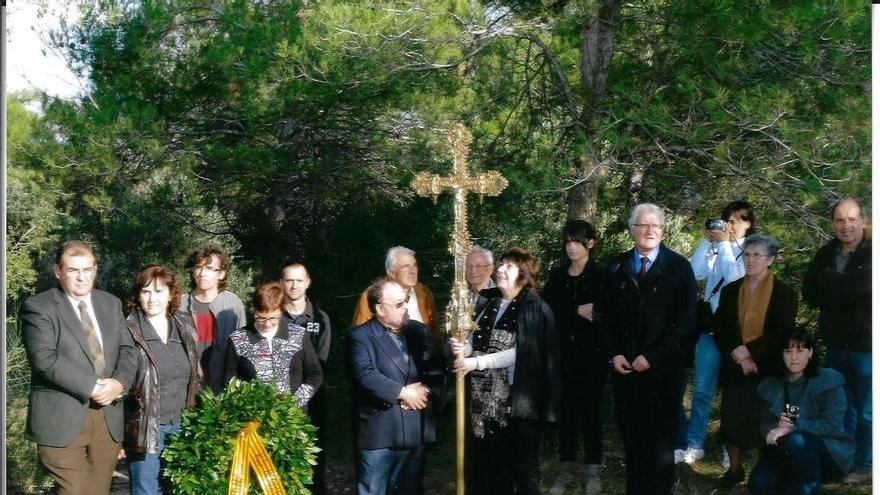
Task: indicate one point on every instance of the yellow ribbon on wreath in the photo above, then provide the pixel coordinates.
(251, 453)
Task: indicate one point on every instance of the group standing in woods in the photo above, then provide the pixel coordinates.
(540, 356)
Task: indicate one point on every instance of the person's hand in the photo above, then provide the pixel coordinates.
(739, 353)
(641, 364)
(585, 311)
(748, 366)
(106, 391)
(775, 434)
(413, 396)
(785, 422)
(120, 455)
(463, 366)
(459, 347)
(621, 365)
(715, 235)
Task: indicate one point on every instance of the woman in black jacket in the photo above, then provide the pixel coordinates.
(166, 376)
(274, 350)
(573, 291)
(754, 315)
(513, 364)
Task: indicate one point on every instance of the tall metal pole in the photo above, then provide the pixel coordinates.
(460, 310)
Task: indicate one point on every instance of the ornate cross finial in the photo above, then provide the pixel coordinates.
(489, 183)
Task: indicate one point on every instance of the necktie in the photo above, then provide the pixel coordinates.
(92, 338)
(644, 268)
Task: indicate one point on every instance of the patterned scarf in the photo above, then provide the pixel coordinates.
(490, 389)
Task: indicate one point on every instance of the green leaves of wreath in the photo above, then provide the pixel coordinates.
(198, 458)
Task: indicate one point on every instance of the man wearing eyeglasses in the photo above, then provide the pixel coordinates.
(650, 318)
(391, 359)
(74, 336)
(402, 267)
(216, 311)
(479, 268)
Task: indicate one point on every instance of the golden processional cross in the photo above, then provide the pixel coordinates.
(460, 310)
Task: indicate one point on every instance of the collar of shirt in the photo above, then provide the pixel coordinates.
(412, 307)
(637, 258)
(90, 309)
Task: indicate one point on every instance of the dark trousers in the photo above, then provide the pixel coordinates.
(646, 409)
(797, 464)
(581, 414)
(505, 460)
(85, 467)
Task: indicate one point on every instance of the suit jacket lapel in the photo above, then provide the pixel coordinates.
(74, 325)
(387, 344)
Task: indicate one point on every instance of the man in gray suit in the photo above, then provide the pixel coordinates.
(72, 335)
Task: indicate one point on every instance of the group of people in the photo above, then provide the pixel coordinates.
(539, 355)
(106, 385)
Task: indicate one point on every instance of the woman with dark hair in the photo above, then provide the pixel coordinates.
(802, 424)
(573, 289)
(274, 350)
(513, 364)
(754, 315)
(166, 376)
(718, 261)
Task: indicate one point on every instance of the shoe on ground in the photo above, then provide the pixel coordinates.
(592, 479)
(679, 456)
(692, 455)
(731, 479)
(725, 458)
(861, 476)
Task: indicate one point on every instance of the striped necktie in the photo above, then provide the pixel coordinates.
(92, 338)
(644, 268)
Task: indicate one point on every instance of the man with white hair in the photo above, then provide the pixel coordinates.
(479, 266)
(650, 317)
(402, 267)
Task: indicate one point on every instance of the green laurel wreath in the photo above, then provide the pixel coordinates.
(199, 456)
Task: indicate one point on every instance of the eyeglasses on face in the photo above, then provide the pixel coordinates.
(477, 267)
(397, 305)
(647, 226)
(76, 272)
(754, 256)
(267, 319)
(205, 268)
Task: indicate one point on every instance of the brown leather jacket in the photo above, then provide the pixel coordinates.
(142, 400)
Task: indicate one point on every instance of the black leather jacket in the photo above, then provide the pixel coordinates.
(142, 401)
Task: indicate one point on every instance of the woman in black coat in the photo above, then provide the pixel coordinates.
(512, 362)
(754, 315)
(573, 290)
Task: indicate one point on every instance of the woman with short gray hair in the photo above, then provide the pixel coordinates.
(754, 315)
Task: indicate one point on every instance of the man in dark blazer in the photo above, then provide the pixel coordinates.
(72, 336)
(390, 357)
(650, 317)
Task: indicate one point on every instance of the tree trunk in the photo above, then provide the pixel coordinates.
(597, 41)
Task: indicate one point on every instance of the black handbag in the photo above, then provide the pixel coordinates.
(705, 316)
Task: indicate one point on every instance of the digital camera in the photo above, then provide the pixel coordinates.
(792, 412)
(716, 224)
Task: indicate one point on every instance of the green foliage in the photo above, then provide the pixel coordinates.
(26, 475)
(199, 456)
